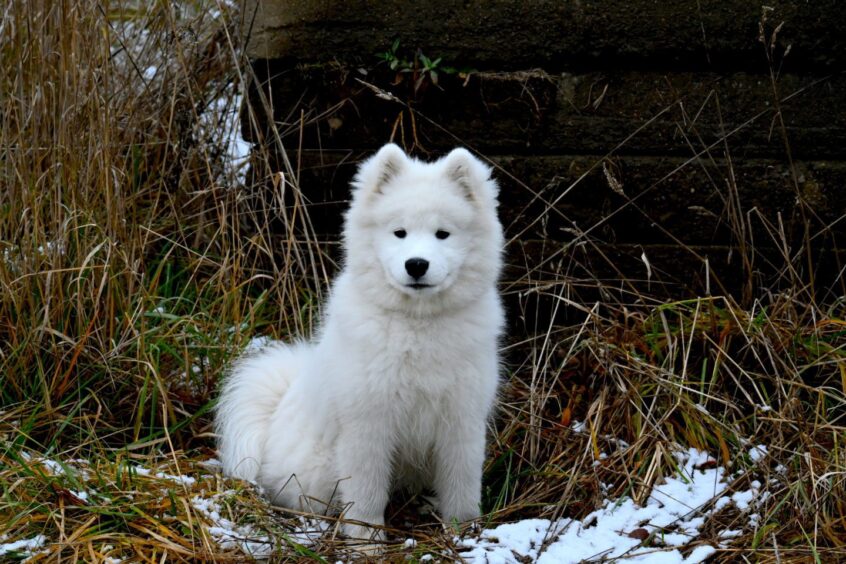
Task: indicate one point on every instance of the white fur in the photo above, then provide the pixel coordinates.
(397, 389)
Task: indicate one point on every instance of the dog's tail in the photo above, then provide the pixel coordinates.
(248, 398)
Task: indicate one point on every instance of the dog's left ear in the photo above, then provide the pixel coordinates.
(471, 174)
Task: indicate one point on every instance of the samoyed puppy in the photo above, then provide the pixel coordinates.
(398, 386)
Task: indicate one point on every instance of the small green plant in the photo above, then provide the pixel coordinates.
(422, 68)
(392, 58)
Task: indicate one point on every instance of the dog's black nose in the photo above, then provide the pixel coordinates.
(416, 267)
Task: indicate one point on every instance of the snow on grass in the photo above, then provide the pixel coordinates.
(221, 122)
(249, 540)
(81, 494)
(217, 12)
(55, 468)
(211, 464)
(501, 543)
(23, 547)
(758, 453)
(666, 529)
(185, 480)
(670, 520)
(257, 343)
(228, 534)
(308, 531)
(237, 150)
(149, 59)
(731, 533)
(51, 247)
(700, 553)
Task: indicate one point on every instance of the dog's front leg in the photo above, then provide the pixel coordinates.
(459, 456)
(364, 456)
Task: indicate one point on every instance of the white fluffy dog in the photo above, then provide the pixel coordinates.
(397, 389)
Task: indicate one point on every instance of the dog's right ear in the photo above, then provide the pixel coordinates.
(380, 169)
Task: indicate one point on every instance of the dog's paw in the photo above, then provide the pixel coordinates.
(363, 550)
(365, 542)
(463, 525)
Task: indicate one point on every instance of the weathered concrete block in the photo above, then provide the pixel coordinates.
(535, 112)
(552, 34)
(674, 130)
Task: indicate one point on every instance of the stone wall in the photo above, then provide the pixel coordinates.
(706, 136)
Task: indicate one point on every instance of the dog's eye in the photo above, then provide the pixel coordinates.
(400, 233)
(441, 234)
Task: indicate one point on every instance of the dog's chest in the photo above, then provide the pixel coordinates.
(411, 369)
(422, 360)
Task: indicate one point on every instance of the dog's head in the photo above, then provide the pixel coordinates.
(422, 230)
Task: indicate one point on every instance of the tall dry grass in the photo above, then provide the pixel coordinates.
(135, 262)
(129, 249)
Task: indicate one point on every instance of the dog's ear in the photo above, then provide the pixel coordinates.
(378, 170)
(471, 174)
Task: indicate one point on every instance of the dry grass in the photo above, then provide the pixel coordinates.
(134, 265)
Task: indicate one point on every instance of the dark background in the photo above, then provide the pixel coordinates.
(709, 137)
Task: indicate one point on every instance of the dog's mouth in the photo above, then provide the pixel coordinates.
(418, 286)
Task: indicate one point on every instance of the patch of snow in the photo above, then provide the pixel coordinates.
(221, 122)
(233, 328)
(216, 13)
(257, 343)
(758, 453)
(212, 464)
(50, 247)
(751, 498)
(231, 535)
(148, 58)
(674, 513)
(110, 559)
(23, 546)
(500, 543)
(309, 531)
(722, 503)
(53, 467)
(185, 480)
(699, 554)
